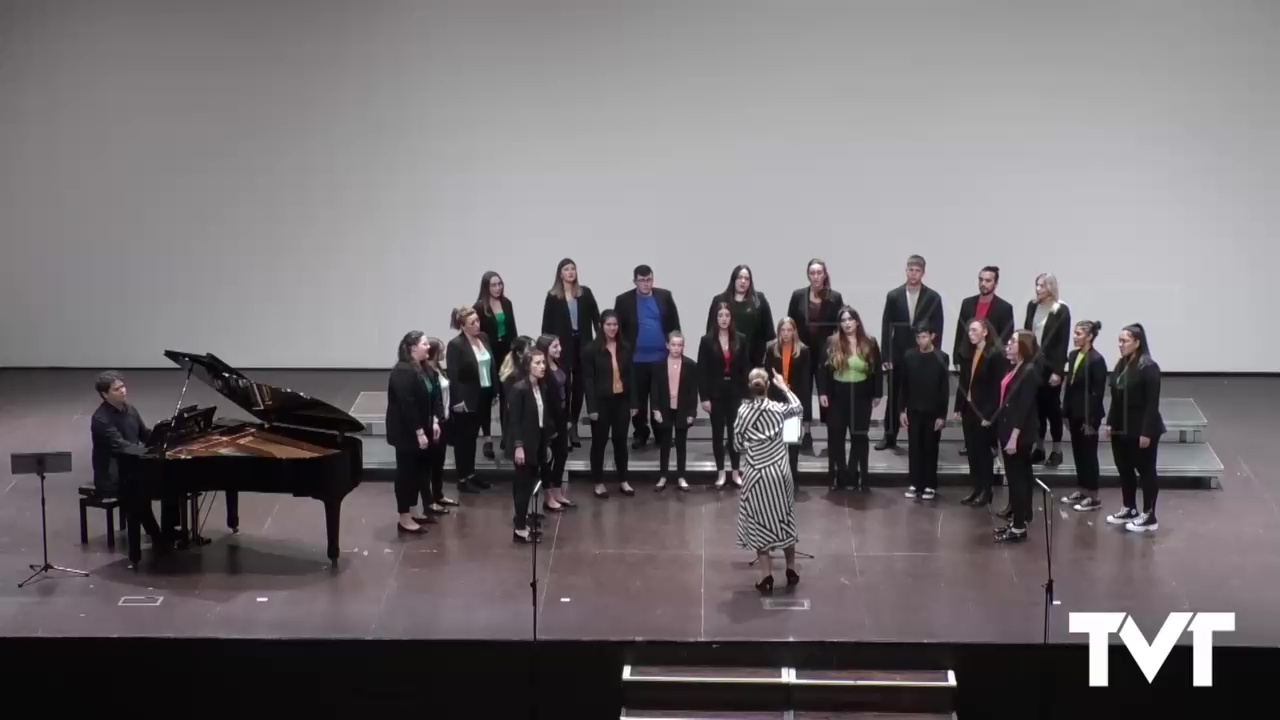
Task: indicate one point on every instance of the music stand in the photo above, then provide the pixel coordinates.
(533, 587)
(41, 464)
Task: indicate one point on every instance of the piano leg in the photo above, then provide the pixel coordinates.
(332, 516)
(233, 510)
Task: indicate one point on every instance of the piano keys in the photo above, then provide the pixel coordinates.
(303, 446)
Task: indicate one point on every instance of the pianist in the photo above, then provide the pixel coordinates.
(117, 430)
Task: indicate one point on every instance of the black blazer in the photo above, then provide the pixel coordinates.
(1000, 315)
(1057, 338)
(875, 368)
(1135, 400)
(524, 427)
(629, 322)
(814, 335)
(557, 321)
(801, 380)
(597, 372)
(1082, 392)
(711, 382)
(489, 323)
(1018, 411)
(411, 406)
(754, 322)
(978, 394)
(553, 390)
(895, 325)
(686, 394)
(463, 371)
(926, 386)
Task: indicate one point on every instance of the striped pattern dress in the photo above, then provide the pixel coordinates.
(767, 502)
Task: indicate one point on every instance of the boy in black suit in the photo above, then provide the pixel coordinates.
(926, 386)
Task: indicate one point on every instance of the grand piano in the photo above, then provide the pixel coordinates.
(303, 447)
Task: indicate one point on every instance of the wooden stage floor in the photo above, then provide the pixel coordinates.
(654, 566)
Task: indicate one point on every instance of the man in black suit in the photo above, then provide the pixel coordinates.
(645, 316)
(907, 306)
(985, 305)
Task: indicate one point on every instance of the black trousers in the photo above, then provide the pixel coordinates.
(850, 417)
(433, 489)
(922, 447)
(724, 413)
(893, 402)
(1049, 407)
(501, 349)
(1084, 454)
(484, 413)
(611, 420)
(979, 442)
(642, 378)
(559, 454)
(668, 436)
(793, 455)
(1019, 476)
(537, 460)
(1137, 465)
(571, 361)
(816, 357)
(413, 469)
(466, 426)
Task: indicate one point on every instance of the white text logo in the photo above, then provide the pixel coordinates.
(1150, 657)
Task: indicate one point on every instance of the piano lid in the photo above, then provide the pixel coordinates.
(267, 403)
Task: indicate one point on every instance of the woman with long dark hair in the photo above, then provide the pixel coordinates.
(982, 367)
(788, 357)
(752, 315)
(434, 500)
(531, 426)
(571, 313)
(1135, 426)
(1083, 386)
(413, 412)
(498, 323)
(850, 386)
(815, 308)
(473, 378)
(1016, 426)
(556, 385)
(607, 375)
(723, 365)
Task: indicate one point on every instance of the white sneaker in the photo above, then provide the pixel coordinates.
(662, 484)
(680, 483)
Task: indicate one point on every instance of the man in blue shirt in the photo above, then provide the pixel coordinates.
(646, 316)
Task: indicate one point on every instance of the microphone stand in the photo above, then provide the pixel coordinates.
(534, 522)
(1048, 554)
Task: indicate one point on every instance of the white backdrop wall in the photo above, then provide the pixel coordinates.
(297, 183)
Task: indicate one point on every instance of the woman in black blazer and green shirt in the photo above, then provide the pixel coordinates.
(982, 366)
(473, 383)
(414, 412)
(723, 366)
(1016, 425)
(788, 357)
(1083, 386)
(752, 315)
(815, 308)
(498, 323)
(1135, 426)
(608, 378)
(570, 312)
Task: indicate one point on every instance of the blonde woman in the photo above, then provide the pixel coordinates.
(788, 357)
(1049, 319)
(473, 381)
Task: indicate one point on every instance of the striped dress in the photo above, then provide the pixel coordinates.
(767, 503)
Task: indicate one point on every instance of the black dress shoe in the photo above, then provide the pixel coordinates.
(793, 578)
(487, 451)
(1011, 535)
(1054, 459)
(765, 586)
(402, 530)
(425, 520)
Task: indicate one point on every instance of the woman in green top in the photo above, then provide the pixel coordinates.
(498, 323)
(850, 385)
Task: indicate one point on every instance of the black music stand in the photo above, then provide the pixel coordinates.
(41, 464)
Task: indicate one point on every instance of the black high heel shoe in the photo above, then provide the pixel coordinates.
(765, 586)
(793, 578)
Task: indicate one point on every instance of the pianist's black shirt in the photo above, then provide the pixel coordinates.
(115, 432)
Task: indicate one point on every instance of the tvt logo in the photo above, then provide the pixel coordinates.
(1150, 657)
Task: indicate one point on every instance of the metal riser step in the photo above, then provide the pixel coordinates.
(1176, 461)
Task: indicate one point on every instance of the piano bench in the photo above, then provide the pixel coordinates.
(90, 497)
